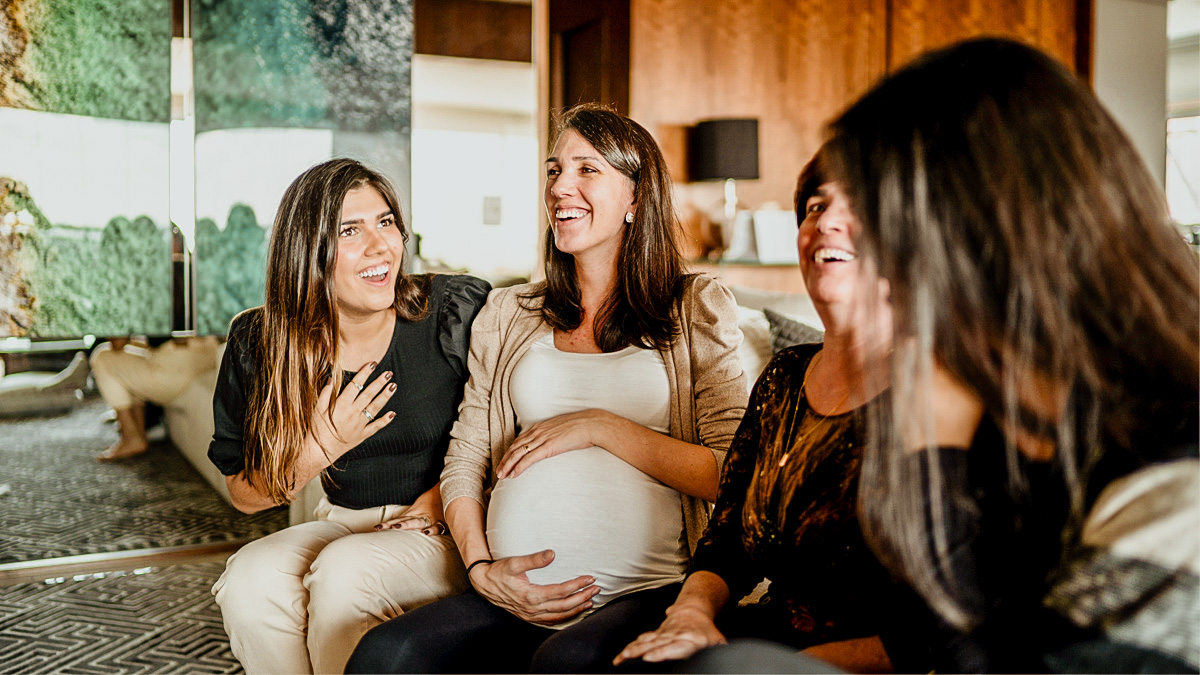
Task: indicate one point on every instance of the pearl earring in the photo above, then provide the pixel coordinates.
(629, 218)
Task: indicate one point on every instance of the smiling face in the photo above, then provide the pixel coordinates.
(586, 199)
(369, 253)
(826, 243)
(846, 289)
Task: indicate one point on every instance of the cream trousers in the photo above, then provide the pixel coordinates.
(136, 374)
(298, 600)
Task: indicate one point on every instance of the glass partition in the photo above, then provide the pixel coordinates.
(85, 242)
(279, 86)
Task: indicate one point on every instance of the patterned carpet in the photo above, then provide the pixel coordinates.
(62, 502)
(135, 621)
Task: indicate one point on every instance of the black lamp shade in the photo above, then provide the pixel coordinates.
(725, 148)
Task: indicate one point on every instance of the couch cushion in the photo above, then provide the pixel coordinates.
(787, 331)
(755, 350)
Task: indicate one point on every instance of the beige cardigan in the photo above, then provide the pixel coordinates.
(708, 392)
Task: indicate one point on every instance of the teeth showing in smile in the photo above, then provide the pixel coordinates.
(828, 254)
(376, 272)
(567, 214)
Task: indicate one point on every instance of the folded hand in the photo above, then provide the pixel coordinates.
(425, 515)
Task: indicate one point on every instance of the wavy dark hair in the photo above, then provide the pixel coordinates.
(650, 270)
(1027, 247)
(298, 335)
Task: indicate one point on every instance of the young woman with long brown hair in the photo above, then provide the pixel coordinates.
(351, 371)
(592, 431)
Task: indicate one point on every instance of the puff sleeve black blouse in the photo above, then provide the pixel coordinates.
(428, 361)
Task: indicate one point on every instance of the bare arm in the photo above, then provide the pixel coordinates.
(249, 499)
(689, 468)
(465, 518)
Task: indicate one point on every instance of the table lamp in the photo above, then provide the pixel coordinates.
(724, 149)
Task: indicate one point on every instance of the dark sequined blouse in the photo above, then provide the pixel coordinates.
(786, 510)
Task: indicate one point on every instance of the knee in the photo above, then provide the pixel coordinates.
(101, 358)
(388, 648)
(566, 652)
(251, 580)
(343, 565)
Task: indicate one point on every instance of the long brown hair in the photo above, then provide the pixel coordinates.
(1025, 242)
(298, 333)
(649, 267)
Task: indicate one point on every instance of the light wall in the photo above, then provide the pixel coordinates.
(267, 161)
(85, 171)
(473, 136)
(1130, 73)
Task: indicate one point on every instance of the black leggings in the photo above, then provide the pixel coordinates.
(468, 634)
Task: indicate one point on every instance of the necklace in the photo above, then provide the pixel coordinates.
(820, 424)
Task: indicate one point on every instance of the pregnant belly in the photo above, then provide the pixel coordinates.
(600, 516)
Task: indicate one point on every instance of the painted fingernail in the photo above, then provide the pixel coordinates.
(387, 374)
(371, 365)
(391, 414)
(392, 387)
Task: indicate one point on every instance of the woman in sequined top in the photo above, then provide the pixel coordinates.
(786, 506)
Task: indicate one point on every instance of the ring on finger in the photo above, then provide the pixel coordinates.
(360, 387)
(369, 414)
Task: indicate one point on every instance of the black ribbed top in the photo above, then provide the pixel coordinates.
(428, 360)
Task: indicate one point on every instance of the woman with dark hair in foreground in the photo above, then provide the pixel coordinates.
(1033, 474)
(599, 409)
(1036, 479)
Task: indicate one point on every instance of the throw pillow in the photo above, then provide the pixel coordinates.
(786, 331)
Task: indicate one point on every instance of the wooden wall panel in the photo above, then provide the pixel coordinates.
(474, 29)
(920, 25)
(793, 65)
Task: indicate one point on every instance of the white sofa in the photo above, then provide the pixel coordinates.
(41, 393)
(189, 420)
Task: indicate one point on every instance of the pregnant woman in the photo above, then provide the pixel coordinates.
(599, 408)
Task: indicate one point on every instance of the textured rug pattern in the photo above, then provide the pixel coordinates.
(62, 502)
(145, 621)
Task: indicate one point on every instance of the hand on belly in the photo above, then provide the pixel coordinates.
(600, 516)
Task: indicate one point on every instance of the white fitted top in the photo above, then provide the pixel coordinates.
(600, 515)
